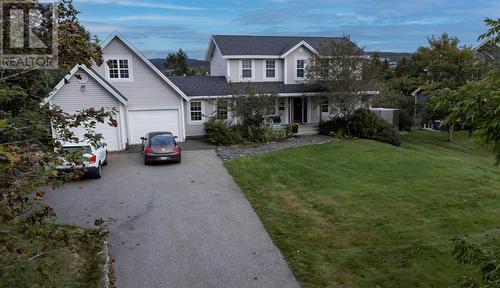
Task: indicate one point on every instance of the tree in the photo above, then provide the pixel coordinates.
(28, 152)
(494, 30)
(251, 106)
(445, 67)
(346, 77)
(177, 61)
(478, 108)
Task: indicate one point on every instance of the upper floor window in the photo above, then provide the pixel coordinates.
(195, 111)
(119, 69)
(300, 69)
(246, 68)
(270, 69)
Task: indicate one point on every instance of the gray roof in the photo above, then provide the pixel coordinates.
(218, 86)
(107, 82)
(265, 45)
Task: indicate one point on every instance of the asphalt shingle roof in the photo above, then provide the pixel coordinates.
(109, 84)
(265, 45)
(218, 86)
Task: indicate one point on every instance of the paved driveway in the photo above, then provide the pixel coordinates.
(184, 225)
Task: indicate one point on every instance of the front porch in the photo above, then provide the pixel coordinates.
(307, 111)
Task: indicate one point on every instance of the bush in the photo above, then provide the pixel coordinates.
(363, 124)
(267, 133)
(334, 127)
(219, 132)
(387, 134)
(405, 121)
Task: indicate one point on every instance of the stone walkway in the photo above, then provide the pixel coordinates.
(231, 152)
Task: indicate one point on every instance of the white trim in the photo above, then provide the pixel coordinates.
(202, 106)
(143, 58)
(301, 43)
(208, 54)
(295, 59)
(264, 72)
(241, 70)
(89, 72)
(285, 68)
(228, 71)
(183, 122)
(251, 56)
(130, 78)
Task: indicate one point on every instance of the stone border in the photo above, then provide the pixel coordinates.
(227, 153)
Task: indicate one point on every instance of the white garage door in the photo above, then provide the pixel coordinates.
(110, 135)
(144, 121)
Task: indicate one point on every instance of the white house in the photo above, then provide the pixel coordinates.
(149, 101)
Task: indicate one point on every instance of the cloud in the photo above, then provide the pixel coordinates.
(174, 18)
(144, 4)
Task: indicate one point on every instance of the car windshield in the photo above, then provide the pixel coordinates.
(162, 139)
(74, 149)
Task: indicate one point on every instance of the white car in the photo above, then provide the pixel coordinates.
(94, 158)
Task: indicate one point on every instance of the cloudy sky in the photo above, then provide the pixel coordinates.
(157, 27)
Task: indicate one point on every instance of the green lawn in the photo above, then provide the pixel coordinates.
(366, 214)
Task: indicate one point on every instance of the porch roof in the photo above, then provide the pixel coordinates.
(218, 86)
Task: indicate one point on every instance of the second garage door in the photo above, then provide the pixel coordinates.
(144, 121)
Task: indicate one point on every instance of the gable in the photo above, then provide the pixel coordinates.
(71, 97)
(116, 45)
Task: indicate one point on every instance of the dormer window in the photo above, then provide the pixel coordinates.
(300, 69)
(119, 69)
(246, 69)
(270, 69)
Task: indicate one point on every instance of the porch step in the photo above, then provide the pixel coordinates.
(309, 129)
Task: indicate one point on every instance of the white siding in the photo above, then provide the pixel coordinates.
(147, 90)
(218, 65)
(70, 98)
(290, 63)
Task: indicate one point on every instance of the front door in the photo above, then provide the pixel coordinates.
(300, 110)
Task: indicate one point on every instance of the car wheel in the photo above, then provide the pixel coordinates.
(98, 173)
(105, 160)
(146, 162)
(178, 161)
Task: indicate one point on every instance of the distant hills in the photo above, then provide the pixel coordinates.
(192, 63)
(391, 56)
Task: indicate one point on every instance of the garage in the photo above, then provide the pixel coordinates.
(111, 135)
(143, 121)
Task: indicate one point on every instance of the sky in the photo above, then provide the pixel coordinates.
(157, 27)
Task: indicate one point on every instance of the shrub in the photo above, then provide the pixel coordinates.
(219, 132)
(405, 121)
(364, 124)
(387, 134)
(267, 133)
(334, 127)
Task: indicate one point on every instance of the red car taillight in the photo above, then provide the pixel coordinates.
(148, 150)
(177, 149)
(93, 159)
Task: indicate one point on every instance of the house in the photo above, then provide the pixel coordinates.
(147, 100)
(488, 51)
(269, 63)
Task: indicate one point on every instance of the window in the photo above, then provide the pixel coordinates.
(270, 69)
(196, 111)
(222, 110)
(118, 69)
(301, 68)
(324, 108)
(246, 68)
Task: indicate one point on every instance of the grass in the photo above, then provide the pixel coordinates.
(50, 255)
(366, 214)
